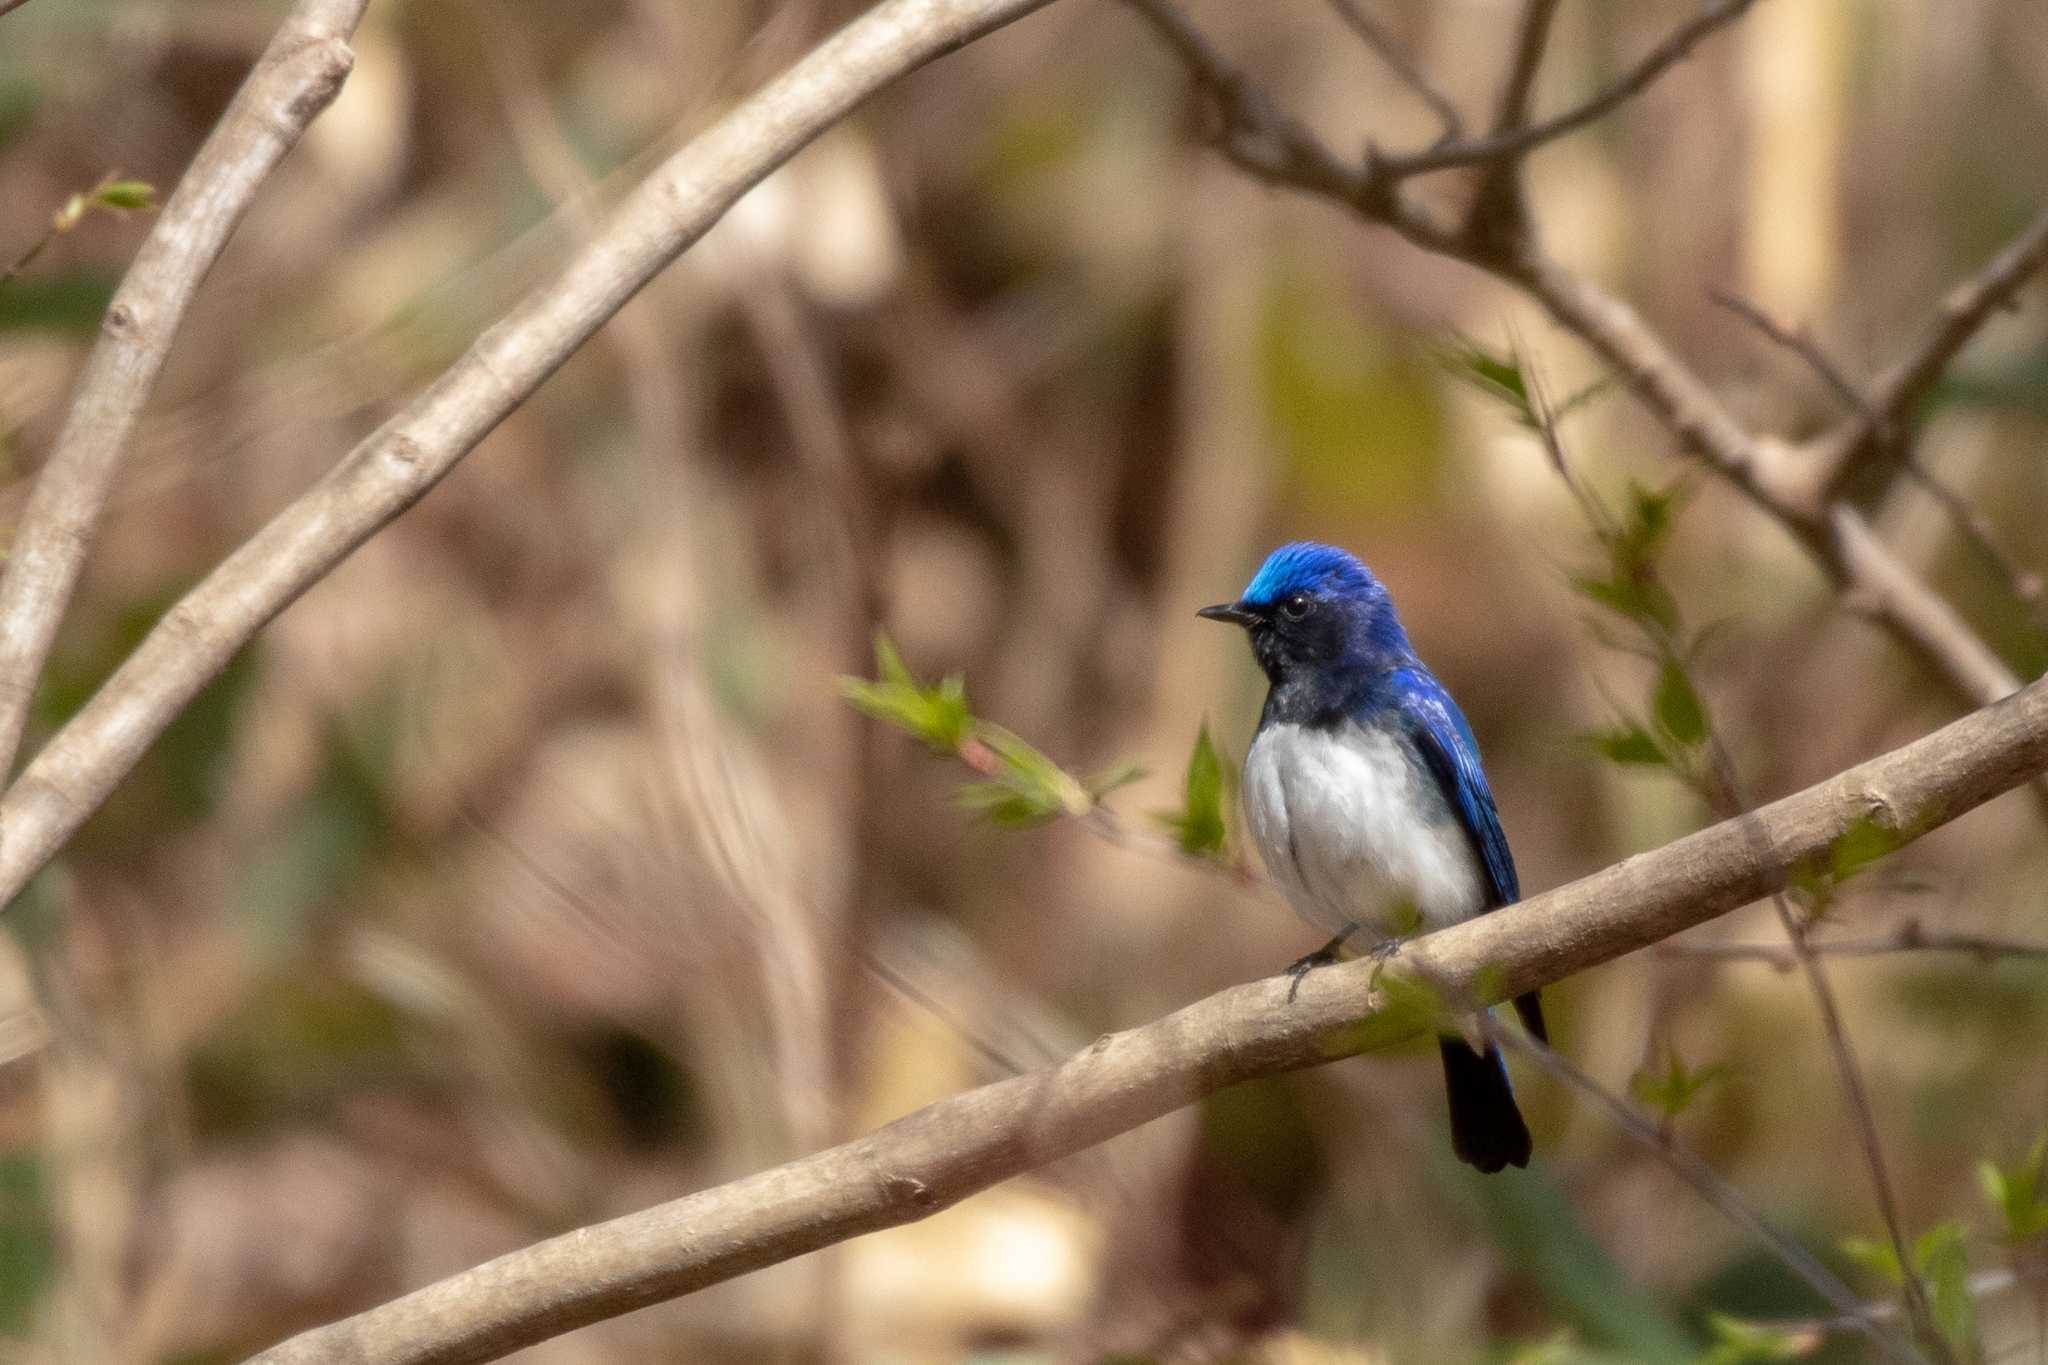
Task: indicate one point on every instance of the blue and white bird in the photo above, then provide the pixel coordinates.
(1364, 794)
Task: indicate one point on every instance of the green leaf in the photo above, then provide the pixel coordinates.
(1640, 599)
(1858, 846)
(125, 194)
(2015, 1193)
(1498, 377)
(1943, 1262)
(1672, 1090)
(1119, 774)
(1414, 1004)
(938, 715)
(1027, 788)
(1738, 1342)
(1874, 1255)
(1002, 804)
(1198, 824)
(1680, 714)
(1645, 528)
(1629, 745)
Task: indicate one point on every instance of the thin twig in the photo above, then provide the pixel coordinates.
(1801, 343)
(1516, 141)
(1383, 46)
(2026, 586)
(1898, 391)
(1689, 1166)
(1271, 145)
(396, 465)
(296, 77)
(1910, 937)
(1720, 783)
(930, 1159)
(1511, 114)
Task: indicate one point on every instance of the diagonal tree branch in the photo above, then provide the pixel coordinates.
(942, 1153)
(1975, 528)
(297, 76)
(1269, 143)
(1888, 411)
(396, 465)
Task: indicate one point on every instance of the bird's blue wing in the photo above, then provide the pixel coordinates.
(1441, 732)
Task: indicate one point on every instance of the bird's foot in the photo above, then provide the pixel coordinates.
(1388, 948)
(1321, 957)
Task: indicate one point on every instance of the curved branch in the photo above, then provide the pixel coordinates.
(297, 76)
(944, 1152)
(396, 465)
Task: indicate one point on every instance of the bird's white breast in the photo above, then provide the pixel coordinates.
(1355, 831)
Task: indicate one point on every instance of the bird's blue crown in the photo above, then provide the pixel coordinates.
(1306, 566)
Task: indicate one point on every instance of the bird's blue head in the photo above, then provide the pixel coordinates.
(1315, 610)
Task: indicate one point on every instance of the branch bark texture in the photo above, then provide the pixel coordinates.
(395, 466)
(297, 76)
(940, 1154)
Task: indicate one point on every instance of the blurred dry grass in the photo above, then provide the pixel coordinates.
(530, 870)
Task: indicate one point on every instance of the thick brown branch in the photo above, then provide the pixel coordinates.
(932, 1158)
(396, 465)
(297, 76)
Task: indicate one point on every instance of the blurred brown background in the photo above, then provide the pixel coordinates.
(531, 871)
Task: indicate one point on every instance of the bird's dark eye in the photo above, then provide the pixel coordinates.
(1298, 606)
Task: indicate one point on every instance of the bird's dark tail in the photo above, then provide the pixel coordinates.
(1486, 1128)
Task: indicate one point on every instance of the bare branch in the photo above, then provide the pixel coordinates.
(1383, 46)
(1519, 139)
(297, 76)
(1960, 317)
(1910, 937)
(1877, 584)
(1512, 113)
(1689, 1166)
(940, 1154)
(1272, 145)
(1801, 343)
(1721, 784)
(2026, 586)
(395, 466)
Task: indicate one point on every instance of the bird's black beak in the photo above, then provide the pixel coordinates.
(1236, 613)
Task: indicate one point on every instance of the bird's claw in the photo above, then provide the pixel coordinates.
(1302, 966)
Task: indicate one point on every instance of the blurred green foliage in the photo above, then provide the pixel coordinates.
(1356, 414)
(28, 1248)
(1198, 825)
